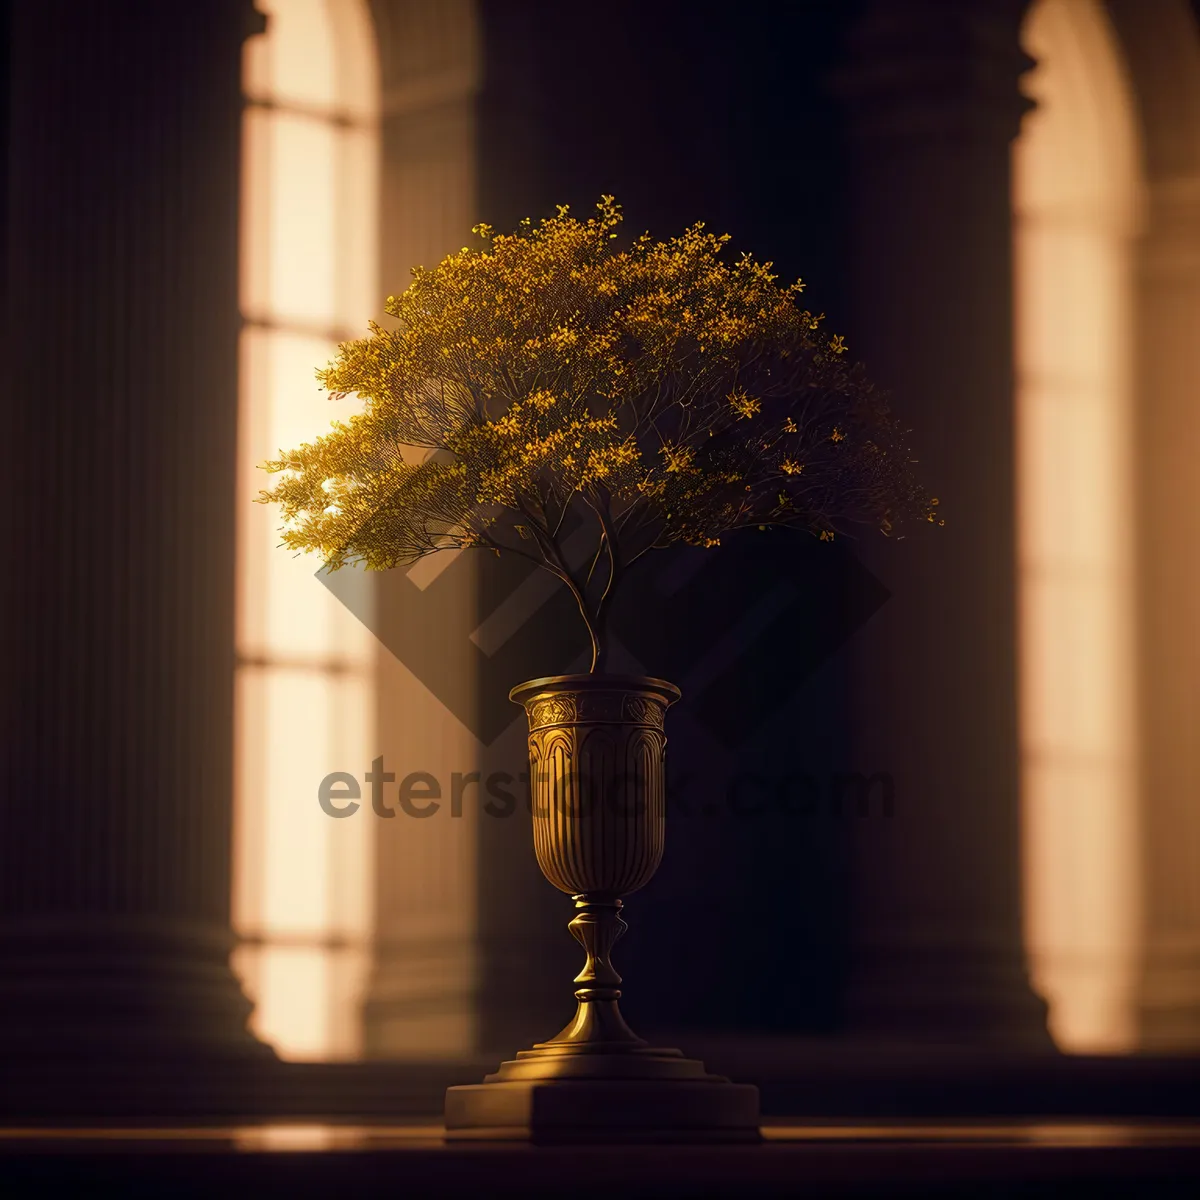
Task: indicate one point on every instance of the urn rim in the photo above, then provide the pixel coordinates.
(668, 692)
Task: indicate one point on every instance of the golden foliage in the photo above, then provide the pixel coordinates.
(671, 395)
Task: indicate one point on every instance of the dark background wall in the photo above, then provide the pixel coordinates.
(719, 113)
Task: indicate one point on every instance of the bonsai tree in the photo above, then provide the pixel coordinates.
(657, 391)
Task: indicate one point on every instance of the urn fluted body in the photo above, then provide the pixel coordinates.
(596, 769)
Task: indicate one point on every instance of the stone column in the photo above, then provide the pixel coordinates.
(116, 599)
(932, 104)
(1168, 305)
(421, 998)
(1158, 42)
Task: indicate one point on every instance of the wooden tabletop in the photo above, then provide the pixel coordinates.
(1052, 1158)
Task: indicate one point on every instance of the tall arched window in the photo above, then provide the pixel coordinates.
(1077, 202)
(306, 689)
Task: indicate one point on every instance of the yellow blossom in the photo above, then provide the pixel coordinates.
(744, 405)
(552, 368)
(678, 458)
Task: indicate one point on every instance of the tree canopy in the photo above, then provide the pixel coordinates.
(661, 392)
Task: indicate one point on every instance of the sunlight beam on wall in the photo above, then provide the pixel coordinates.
(306, 675)
(1077, 210)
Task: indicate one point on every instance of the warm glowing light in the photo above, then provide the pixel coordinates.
(1076, 201)
(306, 681)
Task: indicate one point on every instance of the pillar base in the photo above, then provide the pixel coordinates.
(1169, 1006)
(180, 1089)
(917, 990)
(122, 1015)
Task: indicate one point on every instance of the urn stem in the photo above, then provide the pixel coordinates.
(598, 1022)
(597, 927)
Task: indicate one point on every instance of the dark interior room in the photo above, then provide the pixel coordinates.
(294, 795)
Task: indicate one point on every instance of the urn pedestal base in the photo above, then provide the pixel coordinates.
(597, 787)
(650, 1096)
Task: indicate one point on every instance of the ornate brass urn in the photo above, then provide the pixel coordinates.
(596, 757)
